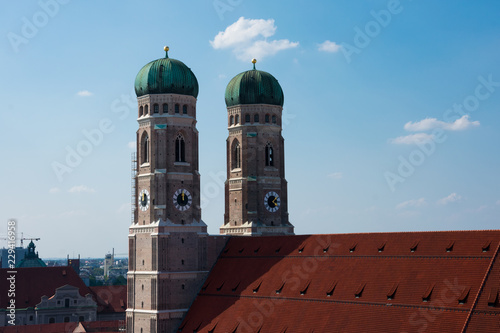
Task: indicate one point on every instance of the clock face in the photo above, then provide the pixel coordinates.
(182, 199)
(272, 201)
(144, 200)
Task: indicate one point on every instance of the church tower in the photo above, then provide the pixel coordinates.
(255, 189)
(167, 240)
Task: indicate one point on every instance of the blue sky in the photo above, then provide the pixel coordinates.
(391, 110)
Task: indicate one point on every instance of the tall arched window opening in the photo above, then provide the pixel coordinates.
(267, 118)
(184, 109)
(255, 118)
(269, 155)
(236, 158)
(145, 149)
(176, 108)
(237, 119)
(156, 108)
(165, 108)
(180, 149)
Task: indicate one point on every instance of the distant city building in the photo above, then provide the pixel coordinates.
(108, 262)
(31, 258)
(47, 295)
(75, 263)
(20, 252)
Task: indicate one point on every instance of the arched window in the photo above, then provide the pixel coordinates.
(146, 110)
(184, 109)
(269, 155)
(165, 108)
(145, 148)
(247, 118)
(231, 121)
(267, 118)
(180, 149)
(236, 155)
(176, 108)
(255, 118)
(237, 119)
(156, 108)
(141, 111)
(274, 119)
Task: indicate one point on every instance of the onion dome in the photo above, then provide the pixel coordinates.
(166, 76)
(254, 87)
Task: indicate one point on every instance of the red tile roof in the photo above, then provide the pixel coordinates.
(34, 282)
(95, 327)
(379, 282)
(110, 299)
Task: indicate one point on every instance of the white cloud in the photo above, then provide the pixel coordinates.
(336, 175)
(412, 139)
(248, 39)
(431, 123)
(84, 93)
(329, 46)
(132, 144)
(81, 189)
(412, 203)
(449, 199)
(54, 190)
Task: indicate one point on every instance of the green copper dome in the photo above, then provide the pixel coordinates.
(254, 87)
(166, 76)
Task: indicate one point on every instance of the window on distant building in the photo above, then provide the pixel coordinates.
(184, 109)
(266, 118)
(66, 303)
(156, 108)
(176, 108)
(247, 118)
(165, 108)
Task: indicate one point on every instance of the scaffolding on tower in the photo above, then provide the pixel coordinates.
(133, 185)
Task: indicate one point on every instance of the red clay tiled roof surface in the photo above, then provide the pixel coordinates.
(379, 282)
(34, 282)
(110, 298)
(95, 327)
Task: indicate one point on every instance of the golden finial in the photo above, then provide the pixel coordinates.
(166, 48)
(253, 62)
